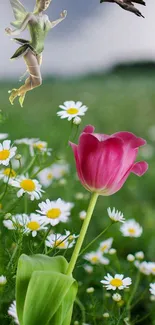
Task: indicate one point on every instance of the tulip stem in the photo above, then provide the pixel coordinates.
(83, 232)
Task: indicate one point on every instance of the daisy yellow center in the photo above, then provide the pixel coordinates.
(39, 146)
(132, 231)
(9, 172)
(94, 259)
(53, 213)
(116, 282)
(4, 154)
(60, 244)
(33, 225)
(72, 110)
(28, 185)
(153, 269)
(103, 248)
(49, 176)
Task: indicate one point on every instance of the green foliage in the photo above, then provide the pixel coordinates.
(45, 295)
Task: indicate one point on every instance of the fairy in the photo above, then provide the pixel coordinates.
(39, 25)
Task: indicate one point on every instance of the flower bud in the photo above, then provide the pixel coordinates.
(18, 157)
(130, 258)
(139, 255)
(77, 120)
(117, 297)
(90, 290)
(112, 251)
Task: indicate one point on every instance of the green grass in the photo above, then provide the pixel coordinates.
(118, 101)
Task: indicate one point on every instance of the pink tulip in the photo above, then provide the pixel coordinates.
(104, 162)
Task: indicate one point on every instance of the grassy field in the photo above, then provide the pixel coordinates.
(116, 101)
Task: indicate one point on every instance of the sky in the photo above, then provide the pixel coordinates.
(93, 37)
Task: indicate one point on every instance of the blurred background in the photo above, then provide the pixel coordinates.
(94, 37)
(104, 57)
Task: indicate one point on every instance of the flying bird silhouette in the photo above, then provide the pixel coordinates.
(128, 5)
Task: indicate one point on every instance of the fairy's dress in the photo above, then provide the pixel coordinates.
(38, 31)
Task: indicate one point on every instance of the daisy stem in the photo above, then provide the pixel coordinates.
(76, 132)
(81, 306)
(133, 291)
(30, 165)
(83, 232)
(94, 240)
(25, 203)
(7, 183)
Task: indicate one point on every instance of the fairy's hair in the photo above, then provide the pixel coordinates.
(37, 2)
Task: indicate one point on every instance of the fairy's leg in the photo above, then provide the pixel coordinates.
(40, 58)
(32, 82)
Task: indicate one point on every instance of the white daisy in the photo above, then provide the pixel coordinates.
(55, 171)
(17, 222)
(152, 288)
(88, 268)
(82, 215)
(6, 152)
(12, 311)
(151, 266)
(115, 215)
(34, 143)
(79, 196)
(15, 162)
(7, 173)
(116, 282)
(54, 212)
(26, 141)
(33, 224)
(41, 146)
(60, 170)
(30, 186)
(3, 136)
(61, 241)
(46, 177)
(131, 228)
(3, 280)
(71, 109)
(105, 245)
(144, 268)
(96, 258)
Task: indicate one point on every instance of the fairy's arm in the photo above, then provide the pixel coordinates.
(56, 22)
(22, 27)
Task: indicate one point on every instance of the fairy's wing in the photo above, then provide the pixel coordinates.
(19, 12)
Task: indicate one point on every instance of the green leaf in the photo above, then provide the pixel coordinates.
(44, 294)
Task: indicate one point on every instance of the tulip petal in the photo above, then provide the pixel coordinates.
(130, 139)
(101, 137)
(140, 168)
(89, 129)
(100, 161)
(77, 160)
